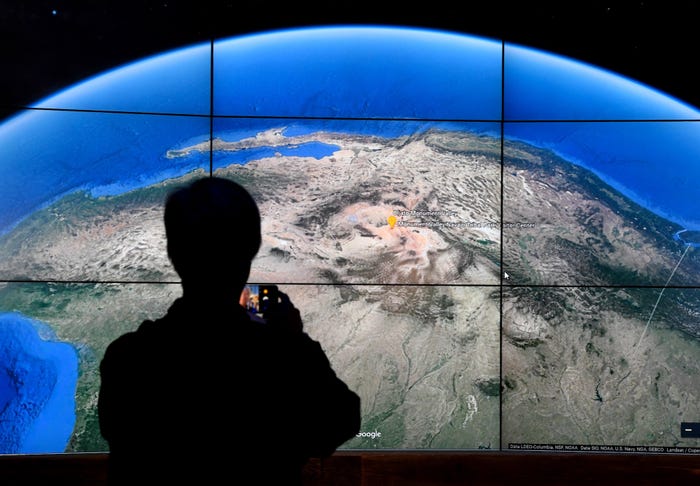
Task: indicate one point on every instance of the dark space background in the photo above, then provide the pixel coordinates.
(48, 45)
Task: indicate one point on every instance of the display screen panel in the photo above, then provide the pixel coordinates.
(540, 85)
(88, 194)
(424, 360)
(170, 82)
(605, 369)
(601, 203)
(484, 268)
(53, 338)
(359, 72)
(354, 202)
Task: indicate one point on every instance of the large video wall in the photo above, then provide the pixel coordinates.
(496, 246)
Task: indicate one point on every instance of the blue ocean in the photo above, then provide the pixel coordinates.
(38, 378)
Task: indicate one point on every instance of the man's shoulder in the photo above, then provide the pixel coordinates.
(150, 329)
(128, 343)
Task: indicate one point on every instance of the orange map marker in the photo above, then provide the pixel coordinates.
(392, 221)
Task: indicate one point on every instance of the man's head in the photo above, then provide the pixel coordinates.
(213, 232)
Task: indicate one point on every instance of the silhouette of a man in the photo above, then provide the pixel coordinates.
(204, 394)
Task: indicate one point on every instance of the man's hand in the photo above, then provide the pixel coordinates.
(284, 315)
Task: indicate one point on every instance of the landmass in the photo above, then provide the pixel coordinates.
(419, 318)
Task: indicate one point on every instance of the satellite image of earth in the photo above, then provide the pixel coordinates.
(482, 277)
